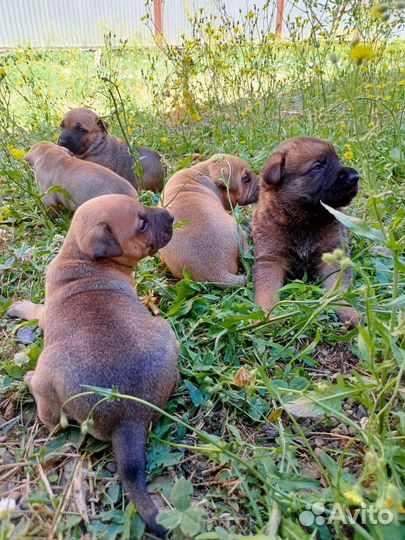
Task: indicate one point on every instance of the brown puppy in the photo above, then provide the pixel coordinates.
(85, 134)
(291, 229)
(98, 333)
(54, 165)
(209, 240)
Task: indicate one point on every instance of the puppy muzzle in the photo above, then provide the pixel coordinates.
(162, 222)
(69, 143)
(254, 194)
(344, 189)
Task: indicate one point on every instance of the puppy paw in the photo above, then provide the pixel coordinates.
(349, 316)
(28, 377)
(25, 310)
(231, 279)
(18, 309)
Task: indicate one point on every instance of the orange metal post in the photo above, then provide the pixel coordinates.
(280, 15)
(157, 4)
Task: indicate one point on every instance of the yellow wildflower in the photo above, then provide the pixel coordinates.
(393, 499)
(354, 497)
(130, 130)
(17, 153)
(164, 140)
(196, 117)
(371, 124)
(2, 72)
(401, 82)
(348, 155)
(360, 51)
(246, 112)
(5, 211)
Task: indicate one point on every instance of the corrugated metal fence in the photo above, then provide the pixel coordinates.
(82, 23)
(72, 23)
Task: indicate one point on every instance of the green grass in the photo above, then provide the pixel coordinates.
(270, 416)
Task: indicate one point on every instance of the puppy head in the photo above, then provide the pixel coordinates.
(80, 129)
(40, 149)
(305, 171)
(235, 178)
(120, 228)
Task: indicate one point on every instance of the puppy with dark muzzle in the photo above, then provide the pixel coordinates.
(85, 134)
(291, 229)
(97, 332)
(209, 240)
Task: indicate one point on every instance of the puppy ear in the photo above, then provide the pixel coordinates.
(103, 124)
(247, 176)
(272, 171)
(100, 243)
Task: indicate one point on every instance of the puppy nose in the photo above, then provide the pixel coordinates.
(353, 177)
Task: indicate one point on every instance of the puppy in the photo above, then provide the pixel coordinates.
(208, 242)
(54, 165)
(97, 332)
(85, 134)
(291, 229)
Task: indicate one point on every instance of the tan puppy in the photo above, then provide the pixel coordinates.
(98, 333)
(291, 229)
(54, 165)
(85, 134)
(209, 240)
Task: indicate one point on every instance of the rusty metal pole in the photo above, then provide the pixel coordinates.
(158, 12)
(280, 15)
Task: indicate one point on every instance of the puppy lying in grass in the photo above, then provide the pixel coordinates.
(98, 333)
(85, 134)
(291, 228)
(209, 240)
(54, 165)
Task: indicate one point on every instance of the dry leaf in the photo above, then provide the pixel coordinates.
(244, 377)
(79, 491)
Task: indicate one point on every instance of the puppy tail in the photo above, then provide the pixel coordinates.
(129, 443)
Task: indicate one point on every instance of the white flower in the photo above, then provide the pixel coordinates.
(6, 506)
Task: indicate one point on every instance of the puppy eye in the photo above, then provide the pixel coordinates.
(143, 224)
(246, 178)
(318, 166)
(82, 130)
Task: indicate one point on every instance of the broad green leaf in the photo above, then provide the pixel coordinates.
(191, 522)
(169, 519)
(315, 404)
(357, 225)
(113, 492)
(196, 396)
(181, 494)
